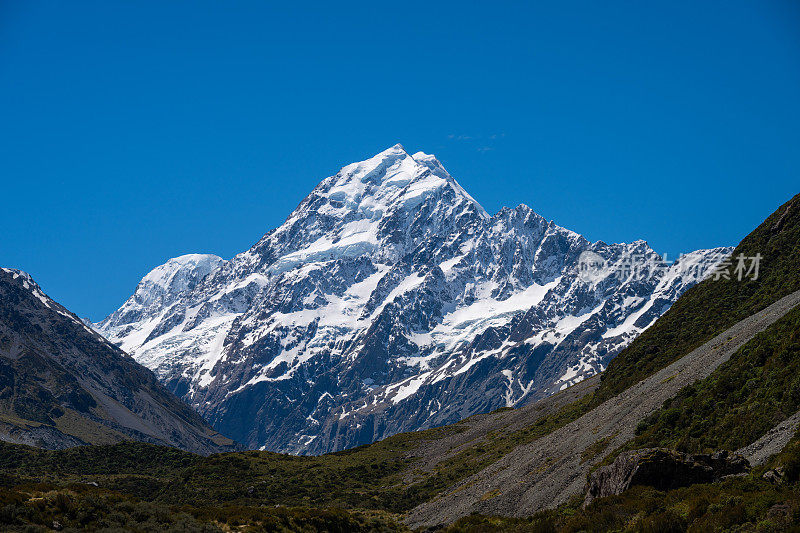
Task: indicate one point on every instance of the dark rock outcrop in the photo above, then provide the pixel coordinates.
(662, 469)
(775, 475)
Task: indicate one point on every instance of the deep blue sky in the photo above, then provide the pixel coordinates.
(132, 132)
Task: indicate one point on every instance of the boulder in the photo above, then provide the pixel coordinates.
(662, 469)
(775, 475)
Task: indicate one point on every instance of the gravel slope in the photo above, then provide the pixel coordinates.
(475, 428)
(771, 443)
(548, 471)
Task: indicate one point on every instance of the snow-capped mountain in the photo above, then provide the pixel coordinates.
(388, 301)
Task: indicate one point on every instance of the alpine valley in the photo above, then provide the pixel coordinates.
(390, 301)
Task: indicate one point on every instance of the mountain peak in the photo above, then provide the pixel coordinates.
(433, 164)
(174, 277)
(373, 169)
(164, 284)
(387, 181)
(396, 148)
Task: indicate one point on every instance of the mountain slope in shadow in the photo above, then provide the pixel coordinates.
(63, 385)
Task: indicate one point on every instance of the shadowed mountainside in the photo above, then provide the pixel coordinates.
(63, 385)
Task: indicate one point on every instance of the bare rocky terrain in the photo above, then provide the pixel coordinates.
(475, 428)
(548, 471)
(771, 443)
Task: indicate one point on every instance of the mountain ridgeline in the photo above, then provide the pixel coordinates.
(390, 301)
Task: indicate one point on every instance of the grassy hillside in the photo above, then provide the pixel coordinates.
(40, 507)
(756, 389)
(154, 488)
(712, 306)
(747, 503)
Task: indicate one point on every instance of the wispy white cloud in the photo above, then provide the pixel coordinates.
(483, 143)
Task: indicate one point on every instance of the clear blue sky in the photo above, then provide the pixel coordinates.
(131, 132)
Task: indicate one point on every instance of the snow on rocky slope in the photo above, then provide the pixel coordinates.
(389, 301)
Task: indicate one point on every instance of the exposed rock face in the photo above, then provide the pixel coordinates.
(389, 301)
(662, 469)
(773, 442)
(775, 475)
(64, 385)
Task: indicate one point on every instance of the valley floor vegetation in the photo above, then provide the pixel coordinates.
(138, 487)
